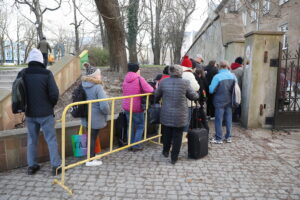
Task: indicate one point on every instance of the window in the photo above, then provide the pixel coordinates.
(266, 6)
(284, 28)
(253, 13)
(282, 2)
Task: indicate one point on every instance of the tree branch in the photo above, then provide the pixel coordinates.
(53, 9)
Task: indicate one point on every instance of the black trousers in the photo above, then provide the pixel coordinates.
(172, 136)
(45, 56)
(210, 106)
(94, 134)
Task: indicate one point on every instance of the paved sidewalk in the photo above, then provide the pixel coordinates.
(259, 164)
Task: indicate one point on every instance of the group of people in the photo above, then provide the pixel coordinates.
(178, 87)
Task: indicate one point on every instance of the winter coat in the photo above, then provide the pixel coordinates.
(210, 72)
(131, 86)
(202, 91)
(188, 75)
(238, 72)
(196, 64)
(44, 46)
(174, 92)
(222, 86)
(41, 90)
(94, 90)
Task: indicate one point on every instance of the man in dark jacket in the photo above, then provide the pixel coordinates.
(42, 95)
(222, 86)
(174, 92)
(44, 47)
(210, 71)
(197, 62)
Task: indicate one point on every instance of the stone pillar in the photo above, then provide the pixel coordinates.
(259, 80)
(234, 49)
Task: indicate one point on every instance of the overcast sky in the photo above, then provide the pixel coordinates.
(62, 17)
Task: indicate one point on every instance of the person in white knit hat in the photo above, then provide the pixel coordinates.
(92, 85)
(42, 95)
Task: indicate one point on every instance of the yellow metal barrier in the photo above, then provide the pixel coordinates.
(64, 167)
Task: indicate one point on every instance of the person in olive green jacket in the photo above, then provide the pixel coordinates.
(44, 46)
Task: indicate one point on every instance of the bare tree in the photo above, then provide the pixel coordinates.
(38, 11)
(109, 9)
(132, 26)
(178, 16)
(76, 25)
(3, 31)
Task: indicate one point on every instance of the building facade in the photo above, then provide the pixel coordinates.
(232, 19)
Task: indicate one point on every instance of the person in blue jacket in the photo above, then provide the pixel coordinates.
(222, 86)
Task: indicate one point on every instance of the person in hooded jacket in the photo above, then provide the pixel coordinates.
(188, 75)
(41, 96)
(174, 116)
(92, 85)
(210, 71)
(133, 84)
(238, 70)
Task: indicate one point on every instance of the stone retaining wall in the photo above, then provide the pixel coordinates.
(13, 145)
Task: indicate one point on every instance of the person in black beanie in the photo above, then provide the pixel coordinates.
(133, 84)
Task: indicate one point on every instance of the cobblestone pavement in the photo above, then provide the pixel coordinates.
(259, 164)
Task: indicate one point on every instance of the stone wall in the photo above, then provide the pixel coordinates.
(209, 43)
(66, 71)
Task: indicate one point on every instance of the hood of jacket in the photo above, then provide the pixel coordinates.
(235, 66)
(131, 76)
(88, 81)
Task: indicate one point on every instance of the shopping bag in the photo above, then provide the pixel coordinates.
(79, 144)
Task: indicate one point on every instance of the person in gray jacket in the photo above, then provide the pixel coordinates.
(174, 92)
(93, 88)
(44, 47)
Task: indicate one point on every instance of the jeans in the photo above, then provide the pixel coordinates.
(172, 136)
(45, 56)
(186, 128)
(137, 127)
(219, 113)
(34, 124)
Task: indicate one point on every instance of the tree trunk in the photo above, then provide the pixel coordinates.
(132, 25)
(76, 26)
(103, 33)
(2, 50)
(109, 9)
(157, 40)
(18, 41)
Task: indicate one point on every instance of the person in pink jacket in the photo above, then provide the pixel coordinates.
(133, 84)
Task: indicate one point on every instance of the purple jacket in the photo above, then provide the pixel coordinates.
(131, 86)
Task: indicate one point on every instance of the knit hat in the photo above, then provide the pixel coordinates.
(133, 67)
(92, 71)
(175, 70)
(35, 55)
(186, 62)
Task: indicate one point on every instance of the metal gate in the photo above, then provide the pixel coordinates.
(287, 107)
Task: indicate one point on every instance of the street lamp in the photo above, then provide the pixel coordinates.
(37, 32)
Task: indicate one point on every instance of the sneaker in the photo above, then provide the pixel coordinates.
(33, 169)
(228, 140)
(165, 154)
(93, 163)
(212, 118)
(214, 141)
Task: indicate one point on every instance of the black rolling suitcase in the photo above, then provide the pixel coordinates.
(197, 143)
(121, 129)
(198, 137)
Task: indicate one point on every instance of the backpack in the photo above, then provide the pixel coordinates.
(236, 95)
(79, 111)
(18, 94)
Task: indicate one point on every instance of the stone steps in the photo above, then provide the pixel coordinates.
(7, 76)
